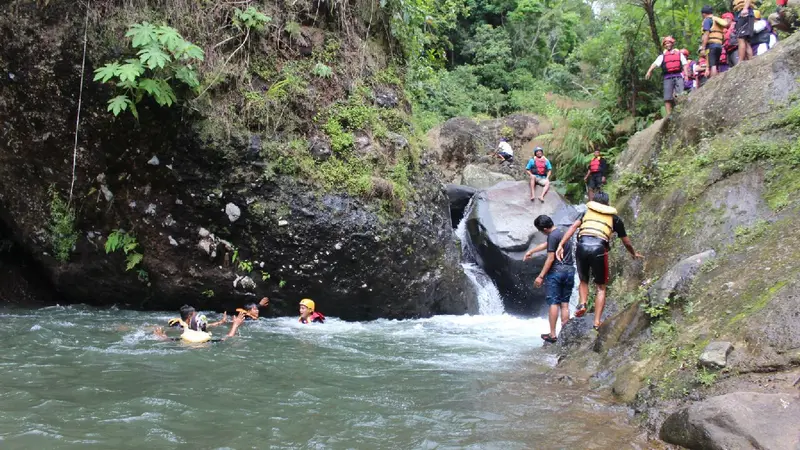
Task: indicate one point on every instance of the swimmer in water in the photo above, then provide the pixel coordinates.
(307, 313)
(251, 310)
(195, 328)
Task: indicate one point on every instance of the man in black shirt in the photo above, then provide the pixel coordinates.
(597, 225)
(558, 276)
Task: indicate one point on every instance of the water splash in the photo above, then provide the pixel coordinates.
(489, 300)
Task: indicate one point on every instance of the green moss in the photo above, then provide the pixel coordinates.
(760, 303)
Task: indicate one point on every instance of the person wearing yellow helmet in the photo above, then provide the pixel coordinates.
(308, 314)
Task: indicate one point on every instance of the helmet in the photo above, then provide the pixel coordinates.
(538, 149)
(685, 52)
(728, 16)
(308, 303)
(757, 14)
(667, 39)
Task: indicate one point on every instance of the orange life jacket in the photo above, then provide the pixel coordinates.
(594, 166)
(246, 313)
(672, 61)
(314, 317)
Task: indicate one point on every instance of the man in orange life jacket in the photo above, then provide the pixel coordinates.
(672, 63)
(539, 169)
(596, 175)
(595, 229)
(251, 310)
(307, 313)
(713, 38)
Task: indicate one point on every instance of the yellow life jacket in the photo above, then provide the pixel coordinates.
(717, 33)
(246, 313)
(598, 221)
(738, 5)
(193, 336)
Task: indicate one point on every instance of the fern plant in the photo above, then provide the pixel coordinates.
(62, 226)
(293, 29)
(163, 56)
(322, 70)
(122, 240)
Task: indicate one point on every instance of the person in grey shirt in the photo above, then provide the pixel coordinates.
(558, 276)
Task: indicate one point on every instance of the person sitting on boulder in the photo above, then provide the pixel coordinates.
(539, 169)
(595, 229)
(251, 310)
(558, 276)
(672, 64)
(596, 175)
(504, 151)
(307, 313)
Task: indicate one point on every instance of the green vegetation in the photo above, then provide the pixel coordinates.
(122, 240)
(61, 230)
(163, 56)
(208, 293)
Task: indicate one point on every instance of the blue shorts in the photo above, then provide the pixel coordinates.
(558, 285)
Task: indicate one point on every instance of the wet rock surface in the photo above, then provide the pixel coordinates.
(715, 355)
(459, 197)
(676, 281)
(741, 420)
(501, 229)
(481, 178)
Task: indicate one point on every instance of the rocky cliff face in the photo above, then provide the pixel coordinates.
(711, 197)
(215, 214)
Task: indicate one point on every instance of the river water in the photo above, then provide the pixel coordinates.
(77, 377)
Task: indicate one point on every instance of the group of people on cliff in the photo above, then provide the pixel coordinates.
(195, 326)
(727, 40)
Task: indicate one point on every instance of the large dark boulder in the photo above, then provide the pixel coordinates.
(501, 229)
(741, 420)
(459, 197)
(210, 193)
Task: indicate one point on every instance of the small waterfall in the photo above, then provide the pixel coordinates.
(489, 300)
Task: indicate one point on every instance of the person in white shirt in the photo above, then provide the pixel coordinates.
(504, 151)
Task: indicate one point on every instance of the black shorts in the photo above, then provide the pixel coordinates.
(744, 26)
(506, 156)
(714, 54)
(592, 256)
(595, 180)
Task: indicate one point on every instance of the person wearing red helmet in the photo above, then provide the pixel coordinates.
(731, 44)
(672, 64)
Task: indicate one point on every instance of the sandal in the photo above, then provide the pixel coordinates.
(597, 327)
(550, 339)
(580, 311)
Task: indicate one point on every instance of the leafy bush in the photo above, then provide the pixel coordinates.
(62, 234)
(163, 56)
(250, 19)
(122, 240)
(322, 71)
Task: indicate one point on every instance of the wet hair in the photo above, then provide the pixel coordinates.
(601, 197)
(186, 312)
(250, 306)
(543, 222)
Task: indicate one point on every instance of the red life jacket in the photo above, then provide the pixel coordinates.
(690, 63)
(671, 62)
(314, 317)
(594, 166)
(541, 165)
(723, 59)
(727, 44)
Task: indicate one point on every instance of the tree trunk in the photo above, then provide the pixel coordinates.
(649, 8)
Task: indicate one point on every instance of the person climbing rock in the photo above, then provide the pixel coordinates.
(504, 151)
(595, 229)
(672, 64)
(596, 175)
(731, 43)
(700, 71)
(251, 310)
(307, 313)
(558, 276)
(713, 37)
(539, 169)
(744, 28)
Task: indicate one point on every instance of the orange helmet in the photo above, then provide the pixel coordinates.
(667, 39)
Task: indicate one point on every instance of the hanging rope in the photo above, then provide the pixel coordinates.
(80, 100)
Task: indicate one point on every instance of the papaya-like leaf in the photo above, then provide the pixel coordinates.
(107, 72)
(188, 75)
(133, 260)
(153, 57)
(130, 71)
(169, 37)
(118, 104)
(143, 34)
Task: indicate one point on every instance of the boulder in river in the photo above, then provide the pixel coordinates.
(677, 280)
(501, 229)
(741, 420)
(480, 178)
